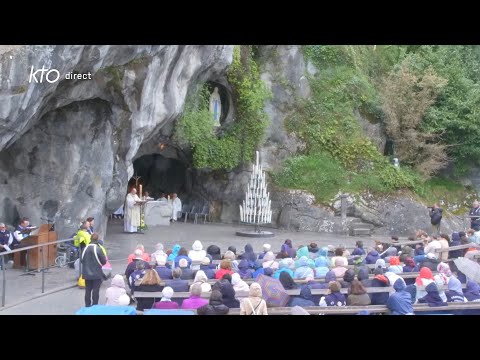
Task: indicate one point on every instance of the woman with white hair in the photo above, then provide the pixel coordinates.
(158, 252)
(166, 300)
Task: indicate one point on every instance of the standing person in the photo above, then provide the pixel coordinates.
(176, 207)
(21, 232)
(92, 261)
(90, 221)
(132, 212)
(475, 216)
(435, 218)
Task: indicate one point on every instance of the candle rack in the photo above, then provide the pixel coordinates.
(256, 208)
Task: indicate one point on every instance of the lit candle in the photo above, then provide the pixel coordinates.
(140, 191)
(257, 156)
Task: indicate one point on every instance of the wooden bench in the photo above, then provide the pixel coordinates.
(353, 310)
(408, 275)
(372, 309)
(293, 292)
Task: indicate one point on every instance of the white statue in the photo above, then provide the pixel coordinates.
(215, 107)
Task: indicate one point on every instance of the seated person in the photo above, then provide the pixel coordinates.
(158, 252)
(6, 239)
(138, 274)
(304, 299)
(400, 302)
(133, 265)
(395, 266)
(335, 297)
(166, 300)
(177, 284)
(187, 274)
(207, 268)
(372, 256)
(357, 295)
(215, 305)
(432, 298)
(266, 248)
(339, 255)
(163, 271)
(202, 280)
(339, 268)
(228, 292)
(225, 268)
(197, 253)
(145, 255)
(150, 283)
(183, 254)
(244, 270)
(359, 250)
(117, 289)
(214, 252)
(195, 300)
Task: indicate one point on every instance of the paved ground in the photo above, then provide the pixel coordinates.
(119, 245)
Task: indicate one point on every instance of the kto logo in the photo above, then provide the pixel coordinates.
(51, 75)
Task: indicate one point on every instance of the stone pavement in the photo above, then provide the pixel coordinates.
(19, 289)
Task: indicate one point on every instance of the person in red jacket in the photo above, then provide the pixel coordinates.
(225, 268)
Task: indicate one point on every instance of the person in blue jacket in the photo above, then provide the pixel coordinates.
(400, 303)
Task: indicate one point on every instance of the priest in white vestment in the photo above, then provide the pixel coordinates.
(132, 212)
(176, 206)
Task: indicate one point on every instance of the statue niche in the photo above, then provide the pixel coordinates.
(215, 107)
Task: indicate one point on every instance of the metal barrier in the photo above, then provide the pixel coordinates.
(26, 248)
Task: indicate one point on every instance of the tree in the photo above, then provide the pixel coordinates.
(406, 96)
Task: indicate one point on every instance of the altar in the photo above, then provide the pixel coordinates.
(158, 213)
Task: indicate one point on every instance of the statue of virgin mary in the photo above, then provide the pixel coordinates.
(215, 107)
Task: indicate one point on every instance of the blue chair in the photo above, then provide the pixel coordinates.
(168, 312)
(107, 310)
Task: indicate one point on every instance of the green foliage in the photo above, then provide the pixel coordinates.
(324, 176)
(455, 115)
(453, 194)
(339, 157)
(344, 84)
(240, 140)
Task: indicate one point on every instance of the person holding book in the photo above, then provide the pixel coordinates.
(21, 232)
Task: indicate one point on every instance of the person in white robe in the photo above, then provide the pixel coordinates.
(132, 212)
(177, 206)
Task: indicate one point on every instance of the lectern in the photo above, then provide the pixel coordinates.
(33, 257)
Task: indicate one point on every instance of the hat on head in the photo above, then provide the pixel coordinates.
(205, 261)
(167, 292)
(267, 247)
(183, 263)
(431, 256)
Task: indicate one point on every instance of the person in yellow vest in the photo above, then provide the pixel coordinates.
(82, 238)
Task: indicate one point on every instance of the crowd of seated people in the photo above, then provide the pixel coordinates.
(195, 271)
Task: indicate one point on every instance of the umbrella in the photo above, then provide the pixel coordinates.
(470, 268)
(273, 291)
